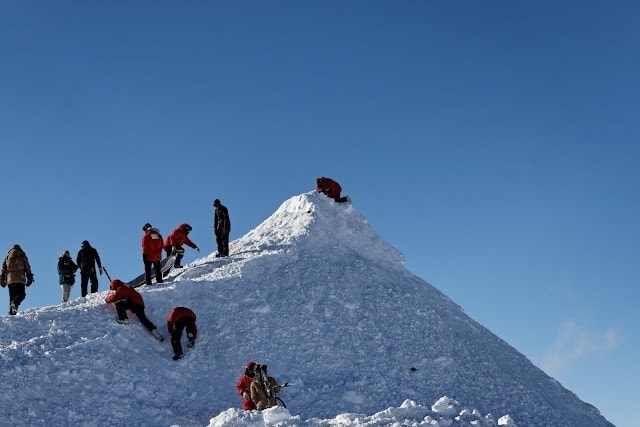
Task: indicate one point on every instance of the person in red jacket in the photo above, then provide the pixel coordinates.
(181, 318)
(174, 241)
(126, 298)
(330, 188)
(243, 386)
(151, 252)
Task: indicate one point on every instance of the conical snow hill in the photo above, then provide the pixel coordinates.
(313, 292)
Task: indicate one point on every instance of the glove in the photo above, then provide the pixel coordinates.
(101, 270)
(246, 395)
(29, 280)
(197, 249)
(4, 285)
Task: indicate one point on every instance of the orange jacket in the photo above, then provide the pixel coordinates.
(152, 245)
(177, 314)
(178, 237)
(122, 292)
(328, 187)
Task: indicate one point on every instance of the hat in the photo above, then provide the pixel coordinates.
(146, 227)
(17, 247)
(85, 243)
(65, 253)
(216, 202)
(115, 284)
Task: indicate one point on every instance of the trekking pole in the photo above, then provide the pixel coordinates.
(106, 272)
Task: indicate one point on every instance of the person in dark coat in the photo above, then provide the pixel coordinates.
(151, 252)
(66, 274)
(181, 318)
(331, 188)
(243, 386)
(126, 298)
(174, 241)
(16, 273)
(86, 260)
(221, 228)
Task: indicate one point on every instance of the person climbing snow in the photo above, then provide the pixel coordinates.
(66, 274)
(179, 319)
(331, 188)
(16, 273)
(126, 298)
(174, 241)
(86, 260)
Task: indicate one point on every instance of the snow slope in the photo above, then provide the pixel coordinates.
(314, 293)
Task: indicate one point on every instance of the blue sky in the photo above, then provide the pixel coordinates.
(494, 143)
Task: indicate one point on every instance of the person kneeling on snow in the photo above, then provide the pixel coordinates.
(180, 318)
(126, 298)
(263, 388)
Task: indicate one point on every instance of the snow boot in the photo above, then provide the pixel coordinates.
(157, 335)
(124, 321)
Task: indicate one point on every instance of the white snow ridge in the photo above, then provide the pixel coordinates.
(318, 296)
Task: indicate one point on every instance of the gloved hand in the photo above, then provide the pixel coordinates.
(29, 280)
(246, 395)
(4, 285)
(101, 270)
(197, 249)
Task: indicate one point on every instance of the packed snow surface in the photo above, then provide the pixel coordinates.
(318, 296)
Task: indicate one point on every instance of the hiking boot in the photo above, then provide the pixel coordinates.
(177, 266)
(177, 357)
(124, 321)
(13, 310)
(157, 335)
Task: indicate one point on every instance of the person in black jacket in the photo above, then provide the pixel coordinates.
(87, 259)
(221, 228)
(66, 274)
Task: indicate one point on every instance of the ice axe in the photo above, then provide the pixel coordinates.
(106, 272)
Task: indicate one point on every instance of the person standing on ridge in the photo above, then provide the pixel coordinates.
(151, 252)
(126, 298)
(331, 188)
(181, 318)
(174, 241)
(243, 386)
(221, 228)
(66, 274)
(16, 272)
(86, 260)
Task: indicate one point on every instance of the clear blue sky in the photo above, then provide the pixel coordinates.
(494, 143)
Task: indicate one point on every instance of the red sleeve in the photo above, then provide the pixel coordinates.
(243, 385)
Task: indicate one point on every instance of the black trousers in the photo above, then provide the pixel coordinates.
(222, 240)
(17, 293)
(87, 276)
(176, 250)
(147, 271)
(123, 305)
(184, 322)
